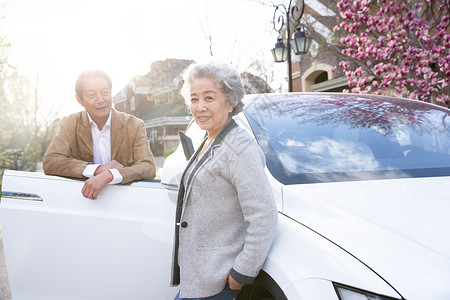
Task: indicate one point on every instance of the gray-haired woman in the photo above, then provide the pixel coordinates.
(226, 214)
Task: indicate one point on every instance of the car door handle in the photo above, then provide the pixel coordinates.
(21, 196)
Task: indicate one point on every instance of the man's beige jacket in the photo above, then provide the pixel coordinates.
(71, 149)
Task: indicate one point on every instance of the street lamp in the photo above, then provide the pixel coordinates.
(300, 42)
(279, 52)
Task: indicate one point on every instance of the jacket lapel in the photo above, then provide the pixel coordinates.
(205, 158)
(187, 189)
(85, 135)
(117, 132)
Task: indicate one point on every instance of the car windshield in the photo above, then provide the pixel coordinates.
(332, 137)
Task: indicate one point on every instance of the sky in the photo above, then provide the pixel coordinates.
(52, 41)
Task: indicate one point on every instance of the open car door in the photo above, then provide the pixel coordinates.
(60, 245)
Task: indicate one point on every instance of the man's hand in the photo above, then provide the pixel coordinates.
(234, 285)
(94, 185)
(110, 165)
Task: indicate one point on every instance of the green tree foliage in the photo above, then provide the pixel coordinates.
(7, 118)
(24, 127)
(36, 127)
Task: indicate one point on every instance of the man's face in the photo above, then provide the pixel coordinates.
(96, 98)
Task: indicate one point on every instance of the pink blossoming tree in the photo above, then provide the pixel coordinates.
(396, 46)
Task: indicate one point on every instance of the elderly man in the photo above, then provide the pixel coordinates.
(99, 143)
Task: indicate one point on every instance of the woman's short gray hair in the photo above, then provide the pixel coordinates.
(228, 79)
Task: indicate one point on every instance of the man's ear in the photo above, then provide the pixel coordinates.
(79, 100)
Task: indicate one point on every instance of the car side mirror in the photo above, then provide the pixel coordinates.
(186, 142)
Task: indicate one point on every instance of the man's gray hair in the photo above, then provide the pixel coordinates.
(90, 73)
(228, 79)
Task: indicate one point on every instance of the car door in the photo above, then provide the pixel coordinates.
(60, 245)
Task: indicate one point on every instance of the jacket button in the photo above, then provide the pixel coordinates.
(184, 224)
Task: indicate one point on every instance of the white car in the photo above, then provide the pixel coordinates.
(362, 185)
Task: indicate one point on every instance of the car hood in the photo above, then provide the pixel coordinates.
(400, 228)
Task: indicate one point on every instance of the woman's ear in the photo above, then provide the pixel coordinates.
(230, 107)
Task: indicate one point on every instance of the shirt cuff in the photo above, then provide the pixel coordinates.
(90, 170)
(117, 177)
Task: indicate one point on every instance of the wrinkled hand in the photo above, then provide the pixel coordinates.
(234, 285)
(110, 165)
(94, 185)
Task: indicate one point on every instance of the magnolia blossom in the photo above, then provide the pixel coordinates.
(398, 45)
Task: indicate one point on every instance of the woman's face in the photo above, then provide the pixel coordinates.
(209, 107)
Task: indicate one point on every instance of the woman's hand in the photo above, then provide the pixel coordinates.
(234, 285)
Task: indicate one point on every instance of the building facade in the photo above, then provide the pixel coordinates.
(155, 98)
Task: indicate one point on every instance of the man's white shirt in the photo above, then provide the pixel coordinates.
(101, 144)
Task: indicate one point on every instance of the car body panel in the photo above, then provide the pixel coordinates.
(313, 288)
(300, 254)
(58, 247)
(409, 216)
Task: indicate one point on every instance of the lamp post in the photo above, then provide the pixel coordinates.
(299, 43)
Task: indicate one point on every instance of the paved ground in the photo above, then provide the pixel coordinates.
(5, 293)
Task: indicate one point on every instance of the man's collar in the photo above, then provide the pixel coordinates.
(108, 122)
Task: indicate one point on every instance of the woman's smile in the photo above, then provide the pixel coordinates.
(203, 118)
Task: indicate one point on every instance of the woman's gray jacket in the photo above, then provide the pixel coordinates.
(226, 216)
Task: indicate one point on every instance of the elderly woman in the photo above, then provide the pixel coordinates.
(226, 214)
